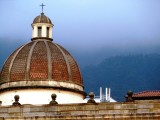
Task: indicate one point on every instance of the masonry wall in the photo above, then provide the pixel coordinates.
(141, 110)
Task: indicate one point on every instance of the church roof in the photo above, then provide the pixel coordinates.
(42, 19)
(41, 60)
(147, 94)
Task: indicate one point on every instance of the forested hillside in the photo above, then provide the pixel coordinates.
(123, 73)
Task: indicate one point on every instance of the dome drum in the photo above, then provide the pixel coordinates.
(40, 96)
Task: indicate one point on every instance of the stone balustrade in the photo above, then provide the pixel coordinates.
(139, 110)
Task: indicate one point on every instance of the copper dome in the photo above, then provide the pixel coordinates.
(41, 60)
(42, 19)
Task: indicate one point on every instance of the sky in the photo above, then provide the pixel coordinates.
(85, 27)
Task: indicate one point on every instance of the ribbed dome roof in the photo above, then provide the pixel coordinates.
(41, 60)
(42, 19)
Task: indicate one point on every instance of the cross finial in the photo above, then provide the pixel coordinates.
(42, 6)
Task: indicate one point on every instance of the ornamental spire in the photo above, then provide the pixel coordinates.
(42, 6)
(42, 27)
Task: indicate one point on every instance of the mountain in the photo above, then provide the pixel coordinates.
(123, 73)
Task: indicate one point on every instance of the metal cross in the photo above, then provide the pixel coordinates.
(42, 6)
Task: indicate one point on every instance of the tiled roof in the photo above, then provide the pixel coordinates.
(41, 60)
(42, 19)
(150, 93)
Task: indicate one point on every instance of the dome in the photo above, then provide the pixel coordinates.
(41, 60)
(41, 68)
(42, 19)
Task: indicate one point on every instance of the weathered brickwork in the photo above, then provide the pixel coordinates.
(102, 111)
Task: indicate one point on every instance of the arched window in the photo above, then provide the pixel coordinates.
(47, 31)
(39, 31)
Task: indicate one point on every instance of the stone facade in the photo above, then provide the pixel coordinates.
(139, 110)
